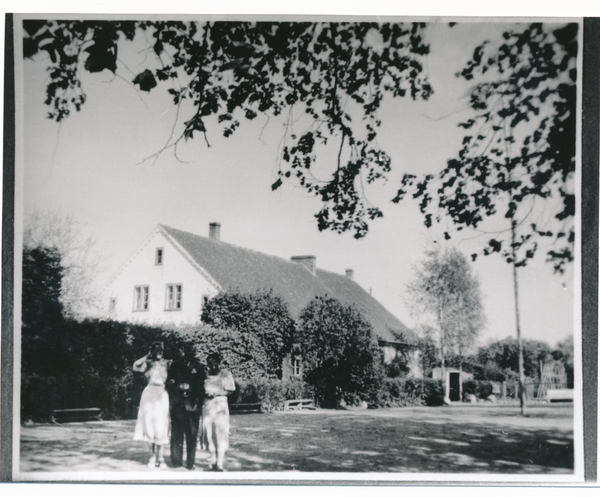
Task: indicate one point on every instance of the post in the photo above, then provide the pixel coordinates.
(522, 392)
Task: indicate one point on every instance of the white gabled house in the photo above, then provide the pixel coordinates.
(161, 282)
(173, 273)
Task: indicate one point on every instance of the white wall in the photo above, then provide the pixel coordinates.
(142, 270)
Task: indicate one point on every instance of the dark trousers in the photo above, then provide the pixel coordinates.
(184, 424)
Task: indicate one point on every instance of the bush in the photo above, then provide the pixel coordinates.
(406, 392)
(342, 361)
(481, 389)
(271, 393)
(397, 368)
(260, 317)
(393, 393)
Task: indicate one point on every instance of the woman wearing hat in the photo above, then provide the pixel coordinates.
(153, 415)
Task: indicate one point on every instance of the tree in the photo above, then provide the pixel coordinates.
(42, 285)
(519, 154)
(505, 355)
(326, 79)
(64, 236)
(445, 291)
(261, 315)
(564, 351)
(519, 147)
(342, 360)
(41, 309)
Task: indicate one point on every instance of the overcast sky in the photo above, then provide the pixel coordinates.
(92, 167)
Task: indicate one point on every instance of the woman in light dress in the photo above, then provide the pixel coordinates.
(153, 415)
(215, 411)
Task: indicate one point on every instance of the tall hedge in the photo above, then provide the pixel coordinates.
(342, 360)
(88, 364)
(261, 317)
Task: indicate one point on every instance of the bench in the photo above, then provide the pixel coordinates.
(298, 404)
(86, 414)
(245, 408)
(559, 395)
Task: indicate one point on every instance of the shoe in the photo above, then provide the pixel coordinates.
(216, 468)
(161, 464)
(191, 468)
(152, 462)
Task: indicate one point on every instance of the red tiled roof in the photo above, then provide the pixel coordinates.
(235, 267)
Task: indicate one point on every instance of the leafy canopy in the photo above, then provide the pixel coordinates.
(327, 79)
(518, 152)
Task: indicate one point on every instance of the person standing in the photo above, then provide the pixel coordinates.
(185, 384)
(152, 424)
(215, 411)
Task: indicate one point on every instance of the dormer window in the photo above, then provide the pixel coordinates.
(159, 257)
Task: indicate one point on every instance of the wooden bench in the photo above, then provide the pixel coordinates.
(559, 395)
(86, 414)
(245, 408)
(298, 404)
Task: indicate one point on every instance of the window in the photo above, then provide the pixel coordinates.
(296, 363)
(173, 298)
(159, 257)
(112, 304)
(140, 298)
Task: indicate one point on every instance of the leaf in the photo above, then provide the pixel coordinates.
(145, 80)
(495, 244)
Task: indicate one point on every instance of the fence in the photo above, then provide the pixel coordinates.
(533, 389)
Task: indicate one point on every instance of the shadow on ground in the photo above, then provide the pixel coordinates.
(397, 441)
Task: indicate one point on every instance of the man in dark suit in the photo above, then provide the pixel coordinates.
(185, 384)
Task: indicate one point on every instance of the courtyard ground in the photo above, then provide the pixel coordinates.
(458, 439)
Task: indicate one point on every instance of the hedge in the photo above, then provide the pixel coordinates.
(405, 392)
(90, 366)
(271, 393)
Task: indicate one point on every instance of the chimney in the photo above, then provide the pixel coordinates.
(214, 231)
(308, 261)
(350, 273)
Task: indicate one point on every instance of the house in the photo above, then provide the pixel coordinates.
(174, 273)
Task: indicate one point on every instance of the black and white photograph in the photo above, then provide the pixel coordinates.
(278, 248)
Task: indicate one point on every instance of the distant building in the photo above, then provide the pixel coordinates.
(453, 382)
(174, 273)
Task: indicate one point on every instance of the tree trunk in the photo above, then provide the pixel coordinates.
(522, 392)
(442, 353)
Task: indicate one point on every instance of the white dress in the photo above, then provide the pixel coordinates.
(153, 415)
(215, 412)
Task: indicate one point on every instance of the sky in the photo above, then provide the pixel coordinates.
(92, 167)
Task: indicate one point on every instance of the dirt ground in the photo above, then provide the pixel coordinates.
(469, 439)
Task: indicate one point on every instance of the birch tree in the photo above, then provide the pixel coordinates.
(445, 292)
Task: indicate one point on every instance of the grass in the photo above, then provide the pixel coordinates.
(454, 439)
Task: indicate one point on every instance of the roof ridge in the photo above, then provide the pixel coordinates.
(246, 249)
